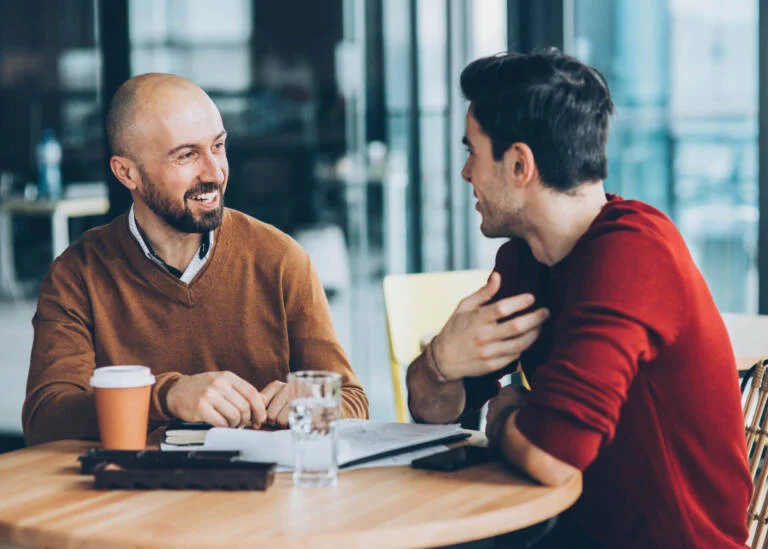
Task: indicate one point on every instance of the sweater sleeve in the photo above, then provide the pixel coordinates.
(312, 338)
(624, 302)
(59, 402)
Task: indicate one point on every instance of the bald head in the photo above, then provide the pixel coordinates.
(139, 98)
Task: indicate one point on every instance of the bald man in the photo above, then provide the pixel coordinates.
(219, 305)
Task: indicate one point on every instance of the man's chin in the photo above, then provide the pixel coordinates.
(488, 231)
(209, 221)
(196, 224)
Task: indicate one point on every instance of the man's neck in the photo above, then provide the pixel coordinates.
(556, 221)
(174, 247)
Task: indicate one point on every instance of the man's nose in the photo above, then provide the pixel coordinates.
(212, 169)
(466, 173)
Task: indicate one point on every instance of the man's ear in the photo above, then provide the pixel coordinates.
(125, 171)
(520, 165)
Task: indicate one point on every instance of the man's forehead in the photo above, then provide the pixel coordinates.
(173, 122)
(472, 128)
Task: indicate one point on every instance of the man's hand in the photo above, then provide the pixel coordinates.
(473, 342)
(277, 397)
(500, 408)
(220, 398)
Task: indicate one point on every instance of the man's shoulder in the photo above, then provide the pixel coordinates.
(100, 243)
(263, 239)
(635, 228)
(621, 215)
(631, 251)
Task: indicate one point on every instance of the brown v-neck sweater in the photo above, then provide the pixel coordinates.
(256, 308)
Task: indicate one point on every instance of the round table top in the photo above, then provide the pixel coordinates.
(44, 502)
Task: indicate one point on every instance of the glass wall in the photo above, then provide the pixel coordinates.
(345, 131)
(50, 67)
(683, 74)
(489, 37)
(274, 83)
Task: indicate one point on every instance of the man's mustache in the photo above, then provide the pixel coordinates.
(202, 188)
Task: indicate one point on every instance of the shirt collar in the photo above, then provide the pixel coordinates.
(202, 254)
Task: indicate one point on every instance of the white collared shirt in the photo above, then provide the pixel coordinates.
(194, 266)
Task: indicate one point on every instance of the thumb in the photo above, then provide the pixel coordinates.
(484, 294)
(269, 392)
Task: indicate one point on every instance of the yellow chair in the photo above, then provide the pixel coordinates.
(417, 306)
(749, 337)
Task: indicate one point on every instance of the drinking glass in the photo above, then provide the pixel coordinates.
(315, 409)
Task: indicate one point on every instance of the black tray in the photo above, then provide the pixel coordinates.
(156, 459)
(236, 476)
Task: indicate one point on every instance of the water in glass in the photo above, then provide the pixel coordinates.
(313, 423)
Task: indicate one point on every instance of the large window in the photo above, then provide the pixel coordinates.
(50, 63)
(683, 74)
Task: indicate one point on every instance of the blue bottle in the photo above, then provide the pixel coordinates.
(48, 166)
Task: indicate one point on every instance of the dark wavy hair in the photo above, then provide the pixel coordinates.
(550, 101)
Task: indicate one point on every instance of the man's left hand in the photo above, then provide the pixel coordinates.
(510, 398)
(278, 398)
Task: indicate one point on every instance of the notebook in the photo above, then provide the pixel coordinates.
(186, 433)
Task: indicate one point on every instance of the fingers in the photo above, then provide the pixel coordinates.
(255, 400)
(210, 414)
(284, 415)
(499, 354)
(243, 407)
(483, 295)
(519, 325)
(505, 307)
(279, 405)
(272, 389)
(229, 411)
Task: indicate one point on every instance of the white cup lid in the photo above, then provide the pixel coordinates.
(122, 377)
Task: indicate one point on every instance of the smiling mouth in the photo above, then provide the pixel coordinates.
(205, 198)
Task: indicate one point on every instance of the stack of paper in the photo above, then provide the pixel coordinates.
(360, 441)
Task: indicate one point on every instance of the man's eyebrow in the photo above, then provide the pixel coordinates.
(465, 141)
(193, 145)
(182, 146)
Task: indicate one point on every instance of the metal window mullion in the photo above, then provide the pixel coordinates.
(762, 235)
(415, 253)
(458, 196)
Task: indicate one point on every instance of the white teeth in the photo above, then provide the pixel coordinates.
(205, 197)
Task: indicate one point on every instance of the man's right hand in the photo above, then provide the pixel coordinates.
(222, 399)
(473, 342)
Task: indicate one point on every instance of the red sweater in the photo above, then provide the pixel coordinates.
(634, 382)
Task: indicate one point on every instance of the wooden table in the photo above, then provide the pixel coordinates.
(44, 502)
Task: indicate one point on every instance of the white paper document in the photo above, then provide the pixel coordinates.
(359, 440)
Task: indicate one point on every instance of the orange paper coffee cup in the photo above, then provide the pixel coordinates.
(122, 405)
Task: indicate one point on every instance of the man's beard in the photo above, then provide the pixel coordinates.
(504, 224)
(182, 219)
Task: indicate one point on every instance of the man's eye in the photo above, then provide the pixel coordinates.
(219, 146)
(187, 155)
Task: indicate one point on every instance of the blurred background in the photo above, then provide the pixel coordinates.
(345, 123)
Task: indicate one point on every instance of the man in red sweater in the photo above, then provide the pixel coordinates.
(633, 377)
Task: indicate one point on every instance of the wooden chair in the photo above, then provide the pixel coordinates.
(755, 402)
(417, 306)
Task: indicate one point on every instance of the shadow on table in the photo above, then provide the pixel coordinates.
(521, 539)
(555, 533)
